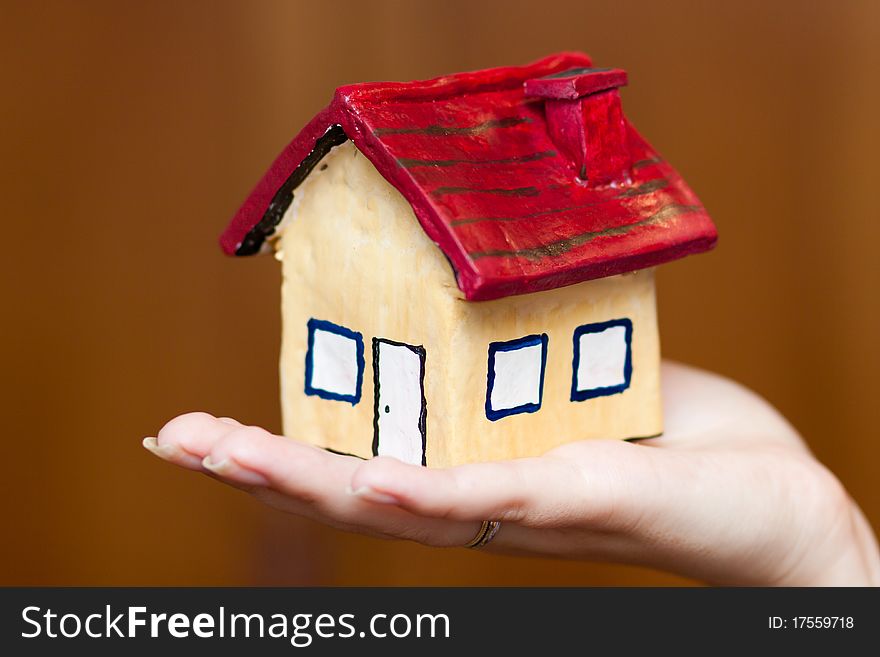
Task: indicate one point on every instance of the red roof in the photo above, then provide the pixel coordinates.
(473, 156)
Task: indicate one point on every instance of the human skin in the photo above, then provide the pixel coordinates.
(730, 494)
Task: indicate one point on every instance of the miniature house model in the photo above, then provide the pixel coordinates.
(467, 264)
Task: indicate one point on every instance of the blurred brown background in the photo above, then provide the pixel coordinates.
(131, 131)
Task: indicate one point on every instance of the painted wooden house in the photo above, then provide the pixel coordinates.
(467, 264)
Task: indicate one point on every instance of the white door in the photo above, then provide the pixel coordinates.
(400, 409)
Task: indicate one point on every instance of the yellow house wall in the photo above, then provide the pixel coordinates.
(636, 412)
(353, 253)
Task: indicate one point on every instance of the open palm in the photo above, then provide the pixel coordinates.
(729, 494)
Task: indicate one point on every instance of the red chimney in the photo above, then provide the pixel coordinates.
(585, 121)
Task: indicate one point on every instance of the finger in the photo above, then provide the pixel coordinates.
(288, 475)
(583, 484)
(311, 482)
(195, 433)
(252, 455)
(362, 516)
(186, 439)
(304, 480)
(172, 454)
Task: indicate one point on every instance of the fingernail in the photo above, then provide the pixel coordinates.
(229, 469)
(166, 452)
(372, 495)
(172, 453)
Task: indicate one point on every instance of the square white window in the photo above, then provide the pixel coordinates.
(515, 379)
(334, 362)
(602, 359)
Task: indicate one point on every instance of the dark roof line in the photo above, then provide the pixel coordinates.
(558, 247)
(446, 131)
(409, 163)
(647, 162)
(517, 191)
(640, 190)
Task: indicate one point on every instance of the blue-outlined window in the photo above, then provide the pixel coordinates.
(334, 362)
(515, 376)
(602, 362)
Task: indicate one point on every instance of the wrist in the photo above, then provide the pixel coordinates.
(849, 557)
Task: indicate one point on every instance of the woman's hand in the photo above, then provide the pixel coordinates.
(729, 494)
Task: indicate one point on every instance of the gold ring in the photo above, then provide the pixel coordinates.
(486, 533)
